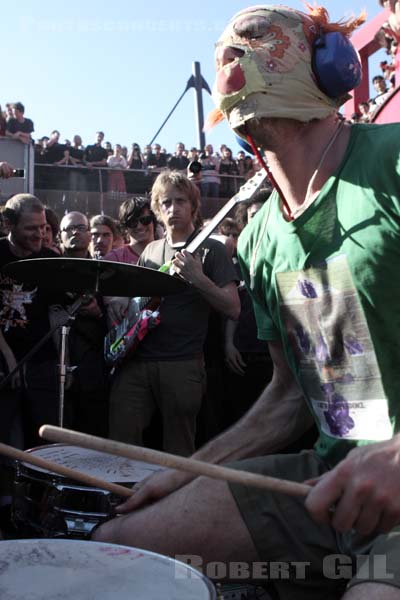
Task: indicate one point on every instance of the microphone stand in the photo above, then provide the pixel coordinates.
(69, 317)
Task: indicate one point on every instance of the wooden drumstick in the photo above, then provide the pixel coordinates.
(198, 467)
(48, 465)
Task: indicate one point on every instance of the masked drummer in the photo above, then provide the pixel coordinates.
(321, 260)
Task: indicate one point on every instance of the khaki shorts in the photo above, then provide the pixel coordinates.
(300, 558)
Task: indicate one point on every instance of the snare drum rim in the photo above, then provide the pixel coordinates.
(58, 477)
(161, 557)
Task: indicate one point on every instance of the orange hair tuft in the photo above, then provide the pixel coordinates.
(213, 118)
(320, 16)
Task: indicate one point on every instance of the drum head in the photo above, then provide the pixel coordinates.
(108, 467)
(65, 569)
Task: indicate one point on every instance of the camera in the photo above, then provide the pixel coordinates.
(18, 173)
(195, 167)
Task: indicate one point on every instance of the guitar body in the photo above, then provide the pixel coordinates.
(142, 315)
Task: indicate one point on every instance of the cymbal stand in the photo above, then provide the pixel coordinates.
(63, 373)
(67, 318)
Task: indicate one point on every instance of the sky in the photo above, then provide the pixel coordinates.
(84, 66)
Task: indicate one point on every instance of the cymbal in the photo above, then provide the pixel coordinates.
(87, 276)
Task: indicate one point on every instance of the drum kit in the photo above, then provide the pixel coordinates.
(53, 516)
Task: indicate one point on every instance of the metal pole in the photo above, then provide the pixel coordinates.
(198, 103)
(169, 114)
(63, 373)
(101, 191)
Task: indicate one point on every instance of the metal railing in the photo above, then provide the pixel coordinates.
(89, 190)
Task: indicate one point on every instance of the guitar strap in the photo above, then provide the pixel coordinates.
(165, 259)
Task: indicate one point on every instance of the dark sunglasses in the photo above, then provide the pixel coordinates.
(133, 223)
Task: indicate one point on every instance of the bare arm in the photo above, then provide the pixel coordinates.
(99, 163)
(233, 357)
(25, 138)
(279, 417)
(223, 299)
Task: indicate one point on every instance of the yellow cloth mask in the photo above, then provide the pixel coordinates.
(273, 78)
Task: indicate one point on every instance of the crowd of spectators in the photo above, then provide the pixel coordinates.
(87, 392)
(384, 83)
(216, 173)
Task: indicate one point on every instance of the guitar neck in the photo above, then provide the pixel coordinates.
(246, 192)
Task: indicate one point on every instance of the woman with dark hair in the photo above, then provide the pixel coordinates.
(228, 166)
(135, 158)
(136, 216)
(135, 180)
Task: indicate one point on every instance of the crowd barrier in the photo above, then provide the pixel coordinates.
(65, 188)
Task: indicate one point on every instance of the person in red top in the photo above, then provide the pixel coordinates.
(140, 222)
(137, 218)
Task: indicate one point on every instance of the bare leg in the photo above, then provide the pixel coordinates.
(200, 519)
(372, 591)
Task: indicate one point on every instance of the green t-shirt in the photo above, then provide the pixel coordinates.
(328, 286)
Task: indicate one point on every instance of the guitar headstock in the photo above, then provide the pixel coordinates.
(251, 186)
(246, 192)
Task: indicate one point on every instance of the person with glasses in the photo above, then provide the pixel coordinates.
(136, 217)
(86, 396)
(75, 235)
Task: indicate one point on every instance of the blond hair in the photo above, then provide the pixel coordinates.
(178, 180)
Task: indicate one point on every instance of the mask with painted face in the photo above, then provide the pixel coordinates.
(265, 65)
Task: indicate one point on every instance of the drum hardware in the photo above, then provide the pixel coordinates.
(85, 276)
(53, 504)
(63, 319)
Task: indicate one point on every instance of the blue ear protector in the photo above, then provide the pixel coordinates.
(335, 64)
(245, 145)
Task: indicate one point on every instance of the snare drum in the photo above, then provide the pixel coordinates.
(46, 504)
(65, 569)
